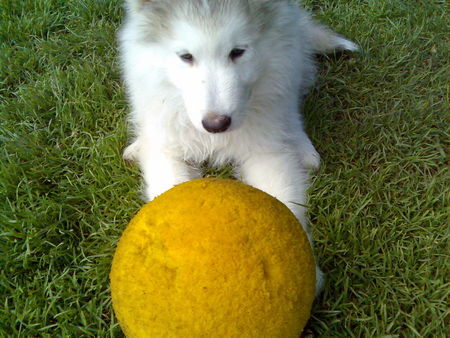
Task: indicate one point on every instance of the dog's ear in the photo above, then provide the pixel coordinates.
(157, 15)
(325, 41)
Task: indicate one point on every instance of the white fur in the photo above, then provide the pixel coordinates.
(259, 91)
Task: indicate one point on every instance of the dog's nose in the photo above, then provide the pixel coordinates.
(216, 123)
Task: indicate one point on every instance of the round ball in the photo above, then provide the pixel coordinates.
(213, 258)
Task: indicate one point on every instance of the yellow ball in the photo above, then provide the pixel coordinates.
(213, 258)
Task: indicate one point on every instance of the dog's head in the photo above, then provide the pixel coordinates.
(209, 51)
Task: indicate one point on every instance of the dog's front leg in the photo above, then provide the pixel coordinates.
(162, 171)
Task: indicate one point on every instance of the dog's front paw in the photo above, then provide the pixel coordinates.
(130, 152)
(310, 159)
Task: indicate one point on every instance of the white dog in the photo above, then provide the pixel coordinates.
(220, 80)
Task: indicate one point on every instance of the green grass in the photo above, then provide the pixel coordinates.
(378, 204)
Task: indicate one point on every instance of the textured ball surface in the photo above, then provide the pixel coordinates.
(213, 258)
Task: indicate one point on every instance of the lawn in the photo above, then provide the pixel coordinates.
(378, 205)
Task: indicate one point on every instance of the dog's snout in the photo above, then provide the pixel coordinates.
(216, 123)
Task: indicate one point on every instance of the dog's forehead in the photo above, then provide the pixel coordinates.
(211, 35)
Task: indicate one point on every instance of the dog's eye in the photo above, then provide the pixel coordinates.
(188, 58)
(236, 53)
